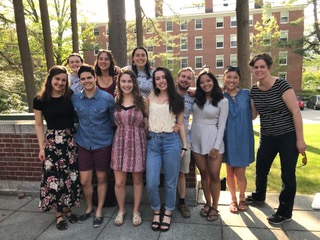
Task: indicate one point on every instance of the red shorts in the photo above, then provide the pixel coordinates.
(98, 159)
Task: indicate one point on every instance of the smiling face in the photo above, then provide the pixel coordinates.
(231, 80)
(59, 83)
(206, 84)
(160, 80)
(126, 84)
(103, 61)
(185, 79)
(140, 58)
(74, 62)
(88, 81)
(260, 70)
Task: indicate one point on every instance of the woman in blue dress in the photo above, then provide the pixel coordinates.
(238, 137)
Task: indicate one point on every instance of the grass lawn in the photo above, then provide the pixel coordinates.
(308, 177)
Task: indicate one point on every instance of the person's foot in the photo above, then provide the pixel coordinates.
(136, 219)
(253, 199)
(277, 219)
(243, 206)
(97, 221)
(166, 222)
(120, 218)
(233, 207)
(61, 224)
(155, 225)
(84, 216)
(184, 210)
(205, 210)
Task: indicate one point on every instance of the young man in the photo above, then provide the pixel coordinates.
(184, 81)
(94, 108)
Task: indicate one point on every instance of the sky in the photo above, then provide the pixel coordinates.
(97, 10)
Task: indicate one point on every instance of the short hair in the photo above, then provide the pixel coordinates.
(75, 55)
(86, 68)
(265, 57)
(232, 69)
(186, 69)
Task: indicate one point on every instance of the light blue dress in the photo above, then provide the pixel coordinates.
(238, 136)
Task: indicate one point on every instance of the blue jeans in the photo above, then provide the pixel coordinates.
(269, 147)
(163, 149)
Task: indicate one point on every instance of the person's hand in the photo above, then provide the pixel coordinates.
(42, 156)
(191, 91)
(213, 154)
(301, 146)
(182, 154)
(176, 128)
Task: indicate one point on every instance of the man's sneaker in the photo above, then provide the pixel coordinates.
(97, 221)
(252, 199)
(184, 210)
(277, 219)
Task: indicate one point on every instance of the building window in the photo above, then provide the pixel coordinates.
(198, 43)
(267, 39)
(198, 62)
(149, 28)
(95, 49)
(96, 31)
(251, 39)
(169, 46)
(107, 31)
(169, 26)
(282, 75)
(233, 60)
(219, 61)
(107, 45)
(170, 64)
(183, 62)
(198, 24)
(219, 41)
(250, 20)
(283, 58)
(183, 44)
(233, 40)
(149, 49)
(284, 36)
(233, 21)
(183, 25)
(284, 17)
(219, 22)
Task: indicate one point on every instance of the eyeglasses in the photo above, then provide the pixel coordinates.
(304, 160)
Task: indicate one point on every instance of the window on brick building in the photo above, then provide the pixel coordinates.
(183, 44)
(219, 61)
(170, 64)
(282, 75)
(183, 62)
(149, 28)
(96, 31)
(219, 41)
(149, 49)
(233, 60)
(219, 22)
(267, 39)
(284, 36)
(169, 46)
(250, 20)
(169, 26)
(251, 39)
(107, 45)
(233, 40)
(198, 62)
(284, 17)
(198, 43)
(198, 24)
(283, 58)
(183, 25)
(233, 21)
(95, 49)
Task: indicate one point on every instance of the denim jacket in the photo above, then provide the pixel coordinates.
(95, 119)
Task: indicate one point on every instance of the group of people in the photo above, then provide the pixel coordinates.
(136, 120)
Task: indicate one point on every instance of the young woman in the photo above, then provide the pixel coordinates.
(129, 143)
(60, 185)
(106, 71)
(210, 113)
(238, 137)
(164, 148)
(281, 131)
(74, 61)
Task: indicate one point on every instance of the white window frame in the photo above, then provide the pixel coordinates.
(169, 45)
(250, 20)
(107, 45)
(285, 74)
(218, 40)
(170, 64)
(251, 37)
(197, 64)
(96, 49)
(183, 25)
(284, 36)
(266, 37)
(196, 23)
(283, 56)
(284, 17)
(219, 59)
(184, 44)
(196, 39)
(150, 49)
(169, 25)
(233, 41)
(184, 65)
(219, 20)
(96, 31)
(234, 60)
(233, 21)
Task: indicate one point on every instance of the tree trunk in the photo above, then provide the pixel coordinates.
(46, 30)
(139, 28)
(243, 39)
(25, 54)
(117, 31)
(74, 25)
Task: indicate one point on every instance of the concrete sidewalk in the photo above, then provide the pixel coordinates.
(20, 219)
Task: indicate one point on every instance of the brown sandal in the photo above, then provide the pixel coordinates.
(213, 215)
(233, 208)
(205, 210)
(243, 206)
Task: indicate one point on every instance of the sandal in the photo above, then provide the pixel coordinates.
(166, 224)
(155, 225)
(119, 219)
(233, 208)
(136, 220)
(243, 206)
(62, 225)
(213, 215)
(71, 217)
(205, 210)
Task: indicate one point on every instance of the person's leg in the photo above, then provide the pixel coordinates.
(214, 167)
(231, 181)
(102, 191)
(120, 188)
(137, 178)
(241, 181)
(86, 183)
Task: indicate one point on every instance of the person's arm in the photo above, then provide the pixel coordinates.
(222, 120)
(146, 115)
(290, 100)
(40, 133)
(253, 109)
(182, 132)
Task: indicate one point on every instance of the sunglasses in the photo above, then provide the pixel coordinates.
(231, 68)
(304, 160)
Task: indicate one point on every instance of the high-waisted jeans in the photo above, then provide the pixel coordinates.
(163, 150)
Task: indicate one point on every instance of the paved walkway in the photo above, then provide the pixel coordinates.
(20, 219)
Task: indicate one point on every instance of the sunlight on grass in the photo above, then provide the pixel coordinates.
(308, 177)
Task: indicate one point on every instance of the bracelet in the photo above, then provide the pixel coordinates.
(184, 149)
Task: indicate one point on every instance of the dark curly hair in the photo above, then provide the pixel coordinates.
(265, 57)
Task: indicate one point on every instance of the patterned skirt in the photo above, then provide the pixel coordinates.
(60, 182)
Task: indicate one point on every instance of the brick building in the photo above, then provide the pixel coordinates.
(208, 36)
